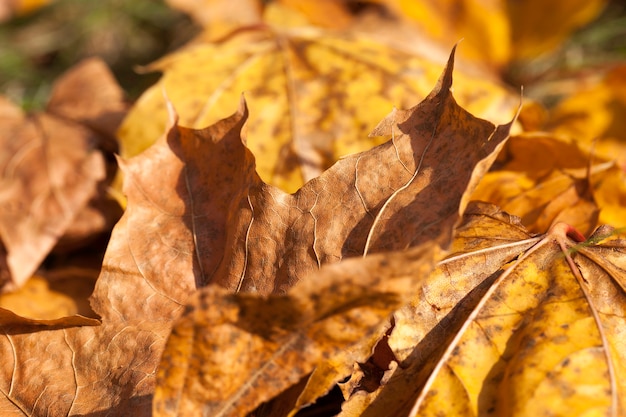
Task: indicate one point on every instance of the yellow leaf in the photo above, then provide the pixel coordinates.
(544, 180)
(595, 117)
(482, 25)
(538, 27)
(324, 13)
(538, 335)
(220, 16)
(64, 294)
(610, 193)
(486, 240)
(497, 32)
(313, 96)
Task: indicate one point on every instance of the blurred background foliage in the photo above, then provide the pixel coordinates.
(36, 46)
(39, 39)
(590, 50)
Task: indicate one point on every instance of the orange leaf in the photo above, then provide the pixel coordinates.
(544, 180)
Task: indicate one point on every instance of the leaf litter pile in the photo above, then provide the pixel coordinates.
(293, 265)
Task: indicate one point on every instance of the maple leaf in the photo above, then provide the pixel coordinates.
(354, 208)
(50, 166)
(198, 213)
(512, 334)
(314, 92)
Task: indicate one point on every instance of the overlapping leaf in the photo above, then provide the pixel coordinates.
(511, 323)
(534, 330)
(313, 92)
(354, 208)
(50, 166)
(601, 130)
(228, 353)
(198, 213)
(544, 180)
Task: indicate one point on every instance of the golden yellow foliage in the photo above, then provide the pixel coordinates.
(595, 116)
(515, 335)
(545, 180)
(497, 32)
(312, 96)
(280, 260)
(44, 299)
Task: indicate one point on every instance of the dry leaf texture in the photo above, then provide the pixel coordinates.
(312, 95)
(49, 173)
(533, 333)
(198, 213)
(51, 165)
(404, 193)
(544, 180)
(253, 237)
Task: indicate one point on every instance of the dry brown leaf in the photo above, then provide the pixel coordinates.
(249, 236)
(229, 353)
(101, 107)
(537, 334)
(199, 213)
(51, 167)
(49, 173)
(89, 94)
(404, 193)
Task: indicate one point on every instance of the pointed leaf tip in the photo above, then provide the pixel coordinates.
(243, 106)
(172, 115)
(445, 80)
(444, 83)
